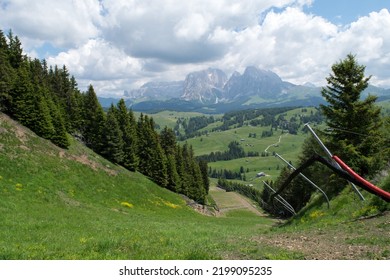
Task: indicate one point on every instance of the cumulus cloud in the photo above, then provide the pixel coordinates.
(301, 47)
(64, 23)
(291, 43)
(369, 38)
(120, 44)
(102, 64)
(179, 31)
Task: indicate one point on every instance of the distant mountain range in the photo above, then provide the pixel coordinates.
(211, 90)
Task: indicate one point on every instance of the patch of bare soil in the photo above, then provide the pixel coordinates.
(85, 160)
(19, 130)
(3, 130)
(337, 243)
(20, 133)
(23, 147)
(201, 209)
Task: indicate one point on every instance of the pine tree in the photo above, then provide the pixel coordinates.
(355, 123)
(94, 121)
(7, 76)
(193, 175)
(41, 121)
(128, 127)
(159, 163)
(59, 137)
(29, 104)
(205, 176)
(168, 140)
(168, 144)
(182, 186)
(152, 159)
(23, 97)
(15, 51)
(112, 138)
(173, 178)
(75, 108)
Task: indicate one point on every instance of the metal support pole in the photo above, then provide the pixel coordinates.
(319, 141)
(282, 200)
(307, 179)
(331, 156)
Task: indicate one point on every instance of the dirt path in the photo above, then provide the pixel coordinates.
(337, 243)
(275, 144)
(227, 201)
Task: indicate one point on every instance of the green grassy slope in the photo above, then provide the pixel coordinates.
(72, 204)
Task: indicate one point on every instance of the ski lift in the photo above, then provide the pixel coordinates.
(337, 166)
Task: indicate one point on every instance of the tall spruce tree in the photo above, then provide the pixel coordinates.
(168, 143)
(168, 140)
(7, 76)
(94, 120)
(60, 136)
(152, 159)
(195, 188)
(15, 51)
(128, 127)
(112, 137)
(355, 123)
(182, 186)
(205, 175)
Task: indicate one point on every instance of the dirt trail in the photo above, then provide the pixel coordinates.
(337, 243)
(227, 201)
(275, 144)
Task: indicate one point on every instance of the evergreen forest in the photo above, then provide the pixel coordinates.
(47, 100)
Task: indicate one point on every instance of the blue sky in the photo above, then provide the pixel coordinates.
(119, 45)
(346, 11)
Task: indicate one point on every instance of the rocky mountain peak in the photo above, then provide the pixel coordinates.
(205, 86)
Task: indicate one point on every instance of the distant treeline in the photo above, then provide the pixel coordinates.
(192, 126)
(261, 197)
(47, 100)
(234, 151)
(273, 117)
(246, 190)
(227, 174)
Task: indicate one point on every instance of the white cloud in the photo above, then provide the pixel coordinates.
(301, 47)
(101, 64)
(65, 23)
(192, 28)
(291, 43)
(119, 44)
(98, 60)
(179, 31)
(369, 39)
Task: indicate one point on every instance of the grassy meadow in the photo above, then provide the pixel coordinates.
(60, 204)
(287, 145)
(73, 204)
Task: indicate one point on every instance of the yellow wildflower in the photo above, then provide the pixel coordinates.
(169, 204)
(126, 204)
(316, 214)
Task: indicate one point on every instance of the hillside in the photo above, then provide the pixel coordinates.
(72, 204)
